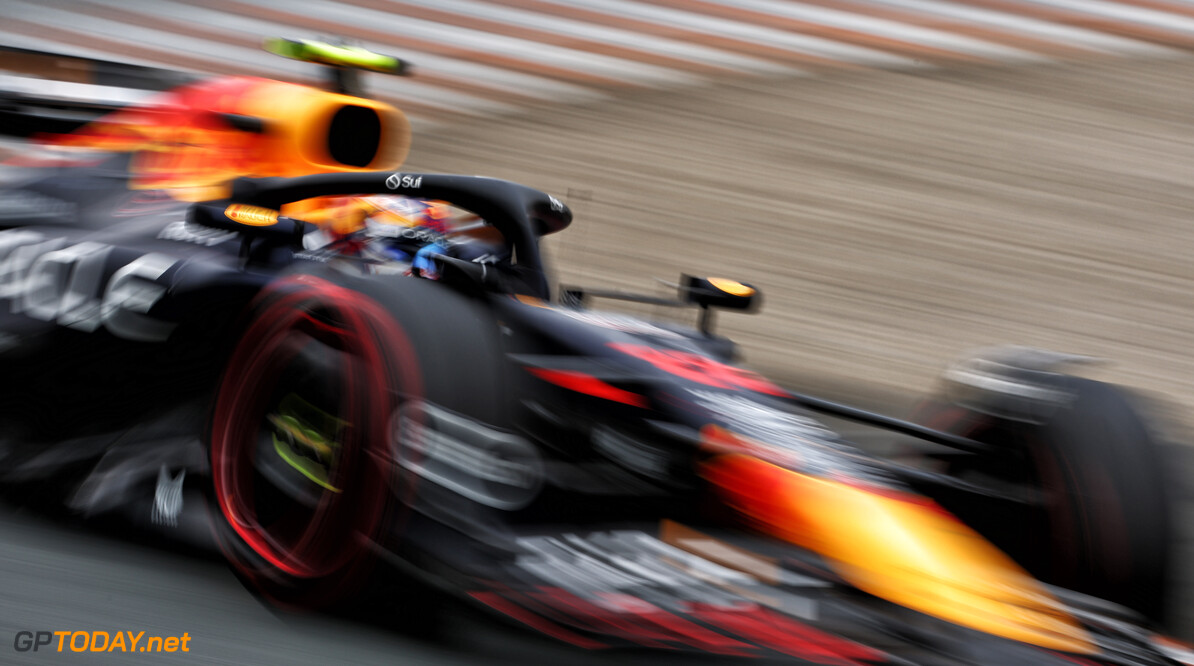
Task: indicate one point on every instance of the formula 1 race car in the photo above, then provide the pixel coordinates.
(344, 375)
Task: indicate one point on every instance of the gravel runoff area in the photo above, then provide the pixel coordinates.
(893, 220)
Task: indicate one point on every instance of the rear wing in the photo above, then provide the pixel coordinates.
(45, 91)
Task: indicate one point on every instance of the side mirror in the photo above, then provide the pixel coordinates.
(719, 293)
(709, 293)
(253, 223)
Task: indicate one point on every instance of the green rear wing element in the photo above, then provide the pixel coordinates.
(341, 56)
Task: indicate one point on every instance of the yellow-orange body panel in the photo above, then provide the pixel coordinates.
(900, 547)
(183, 141)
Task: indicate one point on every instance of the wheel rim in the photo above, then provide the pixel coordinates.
(256, 421)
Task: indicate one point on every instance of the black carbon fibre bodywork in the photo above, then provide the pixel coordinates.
(538, 460)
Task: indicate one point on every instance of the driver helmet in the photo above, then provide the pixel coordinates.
(415, 230)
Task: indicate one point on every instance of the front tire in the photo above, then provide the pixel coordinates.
(300, 443)
(1096, 512)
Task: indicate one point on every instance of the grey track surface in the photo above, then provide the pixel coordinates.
(893, 220)
(56, 578)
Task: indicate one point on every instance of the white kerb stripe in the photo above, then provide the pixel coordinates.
(474, 73)
(579, 61)
(606, 35)
(1126, 13)
(748, 32)
(904, 32)
(1046, 30)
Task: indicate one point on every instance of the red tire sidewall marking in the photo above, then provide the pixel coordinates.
(247, 384)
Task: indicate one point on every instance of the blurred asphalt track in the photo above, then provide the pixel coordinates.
(60, 579)
(893, 219)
